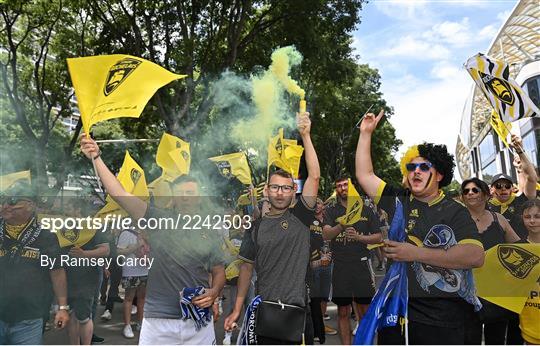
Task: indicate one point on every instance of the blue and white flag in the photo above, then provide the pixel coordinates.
(201, 316)
(390, 301)
(247, 335)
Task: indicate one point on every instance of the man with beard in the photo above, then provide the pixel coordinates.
(183, 260)
(278, 247)
(440, 233)
(353, 280)
(25, 284)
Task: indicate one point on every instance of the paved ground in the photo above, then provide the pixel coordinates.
(112, 330)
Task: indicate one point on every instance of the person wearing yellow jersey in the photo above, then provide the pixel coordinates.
(529, 319)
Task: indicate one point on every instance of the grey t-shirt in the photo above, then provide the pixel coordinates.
(182, 258)
(282, 255)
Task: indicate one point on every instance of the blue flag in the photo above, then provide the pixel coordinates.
(390, 301)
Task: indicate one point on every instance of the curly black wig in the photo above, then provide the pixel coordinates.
(441, 159)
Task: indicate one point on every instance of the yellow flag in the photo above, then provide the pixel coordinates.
(160, 190)
(285, 153)
(502, 129)
(355, 205)
(133, 180)
(509, 273)
(173, 156)
(492, 76)
(72, 237)
(537, 186)
(234, 164)
(9, 179)
(114, 86)
(244, 198)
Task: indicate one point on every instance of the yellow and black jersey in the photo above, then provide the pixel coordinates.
(437, 296)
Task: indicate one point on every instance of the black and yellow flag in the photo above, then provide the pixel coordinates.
(355, 205)
(492, 76)
(133, 180)
(114, 86)
(6, 181)
(234, 165)
(509, 273)
(285, 153)
(502, 129)
(173, 156)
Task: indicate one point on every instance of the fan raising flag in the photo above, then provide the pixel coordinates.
(132, 178)
(285, 153)
(355, 204)
(173, 156)
(234, 165)
(115, 86)
(502, 129)
(390, 302)
(503, 93)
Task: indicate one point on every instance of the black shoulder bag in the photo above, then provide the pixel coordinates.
(277, 320)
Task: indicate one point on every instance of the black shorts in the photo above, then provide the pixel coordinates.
(82, 307)
(353, 281)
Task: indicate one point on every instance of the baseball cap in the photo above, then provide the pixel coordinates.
(501, 176)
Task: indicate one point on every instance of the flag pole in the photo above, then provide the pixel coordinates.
(95, 168)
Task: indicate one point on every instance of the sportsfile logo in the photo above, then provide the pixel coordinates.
(519, 262)
(118, 74)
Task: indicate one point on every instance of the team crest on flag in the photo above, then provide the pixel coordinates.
(70, 235)
(498, 87)
(135, 175)
(492, 77)
(225, 169)
(118, 73)
(518, 261)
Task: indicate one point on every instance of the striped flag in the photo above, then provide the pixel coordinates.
(503, 93)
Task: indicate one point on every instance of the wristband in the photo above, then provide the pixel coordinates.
(97, 156)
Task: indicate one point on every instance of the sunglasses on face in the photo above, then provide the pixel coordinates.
(284, 188)
(472, 189)
(424, 166)
(500, 186)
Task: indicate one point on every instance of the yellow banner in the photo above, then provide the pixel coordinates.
(234, 164)
(6, 181)
(173, 156)
(133, 180)
(509, 273)
(502, 129)
(285, 153)
(355, 205)
(114, 86)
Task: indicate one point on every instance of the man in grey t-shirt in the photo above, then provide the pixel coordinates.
(182, 259)
(279, 247)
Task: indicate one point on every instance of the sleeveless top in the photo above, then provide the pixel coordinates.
(493, 234)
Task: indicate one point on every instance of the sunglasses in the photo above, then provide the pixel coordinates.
(284, 188)
(13, 200)
(500, 186)
(473, 189)
(424, 166)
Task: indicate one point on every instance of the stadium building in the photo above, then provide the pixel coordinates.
(479, 151)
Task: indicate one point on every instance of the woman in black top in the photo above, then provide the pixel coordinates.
(494, 229)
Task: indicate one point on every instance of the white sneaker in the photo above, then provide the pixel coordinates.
(106, 315)
(133, 309)
(355, 328)
(128, 332)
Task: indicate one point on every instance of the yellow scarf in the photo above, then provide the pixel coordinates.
(504, 205)
(14, 231)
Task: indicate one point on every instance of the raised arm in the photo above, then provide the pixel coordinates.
(133, 205)
(311, 186)
(527, 177)
(364, 165)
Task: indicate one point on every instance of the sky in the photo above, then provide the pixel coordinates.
(419, 48)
